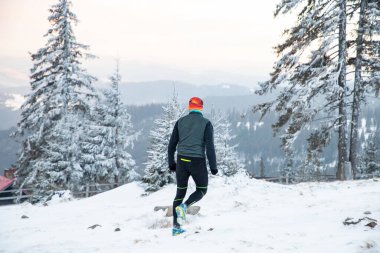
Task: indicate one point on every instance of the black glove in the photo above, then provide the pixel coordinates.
(214, 171)
(173, 167)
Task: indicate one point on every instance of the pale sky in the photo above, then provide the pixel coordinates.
(196, 41)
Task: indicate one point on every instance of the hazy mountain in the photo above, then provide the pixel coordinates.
(141, 93)
(8, 150)
(228, 103)
(9, 118)
(160, 91)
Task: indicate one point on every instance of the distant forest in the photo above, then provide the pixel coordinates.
(254, 139)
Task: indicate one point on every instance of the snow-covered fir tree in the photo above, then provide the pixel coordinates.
(92, 145)
(288, 174)
(226, 156)
(312, 168)
(157, 172)
(116, 162)
(52, 118)
(312, 64)
(371, 158)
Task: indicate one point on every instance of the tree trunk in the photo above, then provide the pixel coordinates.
(262, 167)
(117, 144)
(358, 89)
(342, 143)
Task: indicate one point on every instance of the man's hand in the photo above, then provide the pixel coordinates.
(173, 167)
(214, 171)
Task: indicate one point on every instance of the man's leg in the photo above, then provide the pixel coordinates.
(199, 173)
(182, 176)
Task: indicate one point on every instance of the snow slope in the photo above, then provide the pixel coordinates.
(245, 215)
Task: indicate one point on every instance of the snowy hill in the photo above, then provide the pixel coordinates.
(239, 215)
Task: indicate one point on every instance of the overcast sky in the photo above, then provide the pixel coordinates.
(196, 41)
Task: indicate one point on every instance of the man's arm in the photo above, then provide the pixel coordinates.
(210, 149)
(173, 145)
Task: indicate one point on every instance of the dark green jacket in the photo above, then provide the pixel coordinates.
(194, 136)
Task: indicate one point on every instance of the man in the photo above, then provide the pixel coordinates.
(194, 135)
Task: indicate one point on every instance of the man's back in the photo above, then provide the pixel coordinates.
(191, 131)
(194, 135)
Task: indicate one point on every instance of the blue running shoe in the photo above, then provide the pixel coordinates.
(181, 211)
(177, 231)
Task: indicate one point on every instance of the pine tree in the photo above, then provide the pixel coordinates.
(371, 160)
(157, 172)
(110, 135)
(287, 171)
(95, 164)
(119, 135)
(312, 168)
(342, 91)
(226, 155)
(366, 64)
(312, 64)
(51, 120)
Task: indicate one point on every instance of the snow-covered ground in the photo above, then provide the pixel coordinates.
(243, 215)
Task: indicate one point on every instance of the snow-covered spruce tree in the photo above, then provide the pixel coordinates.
(91, 148)
(287, 172)
(311, 73)
(366, 64)
(118, 136)
(157, 172)
(312, 168)
(226, 155)
(371, 159)
(51, 119)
